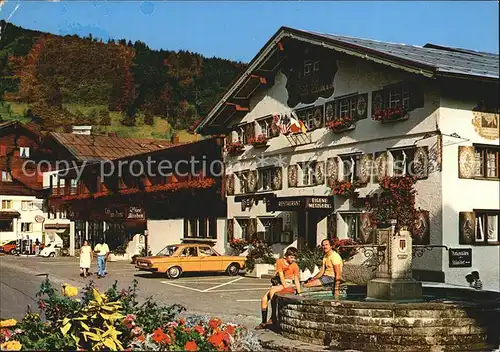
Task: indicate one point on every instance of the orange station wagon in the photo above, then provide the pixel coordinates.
(173, 260)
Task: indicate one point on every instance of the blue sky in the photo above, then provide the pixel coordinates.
(237, 30)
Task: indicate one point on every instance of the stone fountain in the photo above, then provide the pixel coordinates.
(394, 312)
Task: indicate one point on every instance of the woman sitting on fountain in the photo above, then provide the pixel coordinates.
(286, 280)
(331, 269)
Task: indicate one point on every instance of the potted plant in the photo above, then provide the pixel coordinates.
(309, 262)
(260, 259)
(259, 142)
(119, 253)
(234, 148)
(341, 124)
(396, 113)
(238, 245)
(342, 246)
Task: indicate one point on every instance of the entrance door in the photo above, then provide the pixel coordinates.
(307, 227)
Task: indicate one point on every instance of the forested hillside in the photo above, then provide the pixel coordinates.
(117, 86)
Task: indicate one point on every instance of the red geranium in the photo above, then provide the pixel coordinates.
(160, 337)
(191, 346)
(340, 123)
(389, 114)
(199, 329)
(214, 323)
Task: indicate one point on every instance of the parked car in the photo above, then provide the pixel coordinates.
(9, 247)
(50, 249)
(173, 260)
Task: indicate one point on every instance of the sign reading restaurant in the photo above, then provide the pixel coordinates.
(460, 257)
(300, 203)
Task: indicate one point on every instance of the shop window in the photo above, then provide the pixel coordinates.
(26, 227)
(351, 225)
(6, 226)
(272, 230)
(402, 162)
(245, 228)
(487, 225)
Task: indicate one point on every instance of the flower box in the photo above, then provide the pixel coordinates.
(259, 142)
(234, 148)
(344, 188)
(259, 270)
(341, 124)
(390, 115)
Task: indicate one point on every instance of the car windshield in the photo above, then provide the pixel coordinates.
(167, 251)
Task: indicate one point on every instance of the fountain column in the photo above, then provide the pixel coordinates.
(394, 279)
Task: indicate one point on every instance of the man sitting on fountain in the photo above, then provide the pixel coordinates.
(331, 269)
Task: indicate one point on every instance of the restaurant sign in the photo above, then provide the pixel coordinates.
(300, 203)
(460, 257)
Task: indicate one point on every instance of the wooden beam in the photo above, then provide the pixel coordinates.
(262, 80)
(237, 107)
(280, 46)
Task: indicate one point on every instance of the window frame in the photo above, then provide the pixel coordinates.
(6, 176)
(357, 218)
(7, 201)
(26, 227)
(310, 166)
(410, 154)
(355, 174)
(484, 213)
(482, 166)
(27, 149)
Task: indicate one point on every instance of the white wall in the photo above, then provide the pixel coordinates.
(466, 194)
(164, 232)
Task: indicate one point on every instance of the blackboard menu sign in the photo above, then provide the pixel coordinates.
(460, 257)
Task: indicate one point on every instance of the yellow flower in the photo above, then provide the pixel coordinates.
(12, 345)
(69, 291)
(8, 323)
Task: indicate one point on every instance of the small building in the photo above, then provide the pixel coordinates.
(317, 120)
(170, 193)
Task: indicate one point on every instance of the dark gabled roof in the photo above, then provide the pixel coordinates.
(442, 58)
(431, 60)
(99, 148)
(16, 124)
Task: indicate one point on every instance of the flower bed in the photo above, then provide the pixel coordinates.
(341, 124)
(389, 114)
(115, 321)
(238, 245)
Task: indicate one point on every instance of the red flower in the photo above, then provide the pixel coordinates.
(182, 321)
(214, 323)
(199, 329)
(160, 337)
(141, 338)
(216, 339)
(191, 346)
(229, 329)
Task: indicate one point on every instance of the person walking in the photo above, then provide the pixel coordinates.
(102, 251)
(37, 246)
(287, 277)
(86, 257)
(331, 269)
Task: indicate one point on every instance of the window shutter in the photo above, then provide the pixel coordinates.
(277, 182)
(421, 163)
(252, 227)
(230, 230)
(381, 165)
(379, 100)
(466, 162)
(320, 172)
(365, 169)
(230, 185)
(292, 175)
(416, 96)
(421, 231)
(332, 170)
(329, 111)
(366, 229)
(252, 181)
(250, 132)
(361, 106)
(467, 227)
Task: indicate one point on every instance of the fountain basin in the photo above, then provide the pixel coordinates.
(445, 319)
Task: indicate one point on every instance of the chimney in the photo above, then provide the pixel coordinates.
(82, 130)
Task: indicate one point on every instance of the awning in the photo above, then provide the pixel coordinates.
(9, 215)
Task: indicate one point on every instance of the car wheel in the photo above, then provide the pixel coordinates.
(233, 269)
(52, 254)
(13, 252)
(174, 272)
